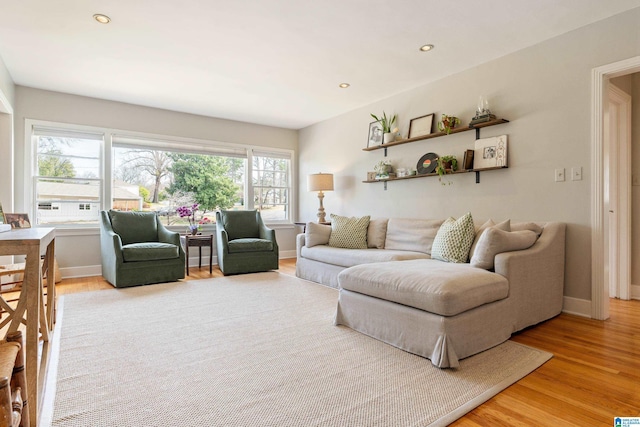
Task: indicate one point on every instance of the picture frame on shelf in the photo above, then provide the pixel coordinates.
(18, 220)
(375, 134)
(420, 126)
(371, 176)
(490, 152)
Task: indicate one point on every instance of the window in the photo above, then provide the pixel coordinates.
(68, 177)
(82, 170)
(271, 185)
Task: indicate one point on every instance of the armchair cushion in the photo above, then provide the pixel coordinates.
(149, 251)
(250, 245)
(240, 224)
(134, 227)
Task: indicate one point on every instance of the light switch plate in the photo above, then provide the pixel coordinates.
(559, 175)
(576, 173)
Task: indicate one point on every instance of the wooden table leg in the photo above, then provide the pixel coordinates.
(32, 285)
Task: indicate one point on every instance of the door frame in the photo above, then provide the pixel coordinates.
(600, 81)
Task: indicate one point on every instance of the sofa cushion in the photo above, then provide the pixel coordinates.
(377, 233)
(454, 239)
(349, 232)
(316, 234)
(350, 257)
(437, 287)
(149, 251)
(504, 225)
(250, 245)
(527, 226)
(494, 241)
(416, 235)
(134, 227)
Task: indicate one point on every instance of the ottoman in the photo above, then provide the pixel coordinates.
(438, 310)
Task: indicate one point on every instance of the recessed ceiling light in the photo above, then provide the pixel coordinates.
(426, 47)
(103, 19)
(344, 85)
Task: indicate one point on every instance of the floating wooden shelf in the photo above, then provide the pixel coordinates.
(437, 134)
(425, 175)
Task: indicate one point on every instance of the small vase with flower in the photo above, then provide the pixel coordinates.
(190, 213)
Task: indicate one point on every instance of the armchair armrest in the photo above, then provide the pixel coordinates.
(167, 236)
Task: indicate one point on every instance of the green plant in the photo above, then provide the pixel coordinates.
(446, 163)
(385, 121)
(447, 123)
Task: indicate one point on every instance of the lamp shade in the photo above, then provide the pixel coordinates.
(320, 182)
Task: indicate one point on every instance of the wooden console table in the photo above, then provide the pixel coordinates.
(32, 242)
(198, 240)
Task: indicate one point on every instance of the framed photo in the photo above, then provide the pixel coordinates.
(18, 220)
(420, 126)
(371, 176)
(375, 134)
(490, 152)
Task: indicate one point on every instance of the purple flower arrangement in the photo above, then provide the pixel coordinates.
(190, 213)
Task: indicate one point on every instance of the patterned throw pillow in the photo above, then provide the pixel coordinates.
(454, 239)
(349, 233)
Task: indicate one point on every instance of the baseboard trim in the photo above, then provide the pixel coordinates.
(576, 306)
(635, 292)
(96, 270)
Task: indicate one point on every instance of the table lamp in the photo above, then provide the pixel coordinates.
(320, 182)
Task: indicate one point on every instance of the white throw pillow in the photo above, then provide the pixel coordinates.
(316, 234)
(454, 239)
(377, 232)
(494, 241)
(349, 233)
(504, 225)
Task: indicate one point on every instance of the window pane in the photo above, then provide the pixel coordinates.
(69, 183)
(162, 181)
(271, 187)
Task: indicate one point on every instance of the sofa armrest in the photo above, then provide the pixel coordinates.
(300, 242)
(536, 277)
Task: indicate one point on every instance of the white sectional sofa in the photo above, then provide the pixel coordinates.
(395, 292)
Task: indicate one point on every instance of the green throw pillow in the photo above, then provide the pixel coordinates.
(454, 239)
(349, 233)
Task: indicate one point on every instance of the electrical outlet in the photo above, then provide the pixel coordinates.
(635, 179)
(560, 175)
(576, 173)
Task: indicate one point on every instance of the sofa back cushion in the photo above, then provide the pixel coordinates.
(408, 234)
(316, 234)
(134, 227)
(377, 233)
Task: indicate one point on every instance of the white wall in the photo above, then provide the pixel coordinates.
(7, 94)
(79, 254)
(545, 92)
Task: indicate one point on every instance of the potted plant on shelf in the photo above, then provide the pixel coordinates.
(447, 123)
(383, 169)
(386, 123)
(446, 164)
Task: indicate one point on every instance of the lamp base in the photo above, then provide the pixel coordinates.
(321, 215)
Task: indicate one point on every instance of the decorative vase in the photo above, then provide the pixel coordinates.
(193, 229)
(389, 137)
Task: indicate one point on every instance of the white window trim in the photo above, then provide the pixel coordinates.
(189, 144)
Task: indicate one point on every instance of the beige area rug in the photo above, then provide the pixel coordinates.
(252, 350)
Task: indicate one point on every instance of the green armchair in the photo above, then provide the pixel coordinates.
(138, 250)
(244, 243)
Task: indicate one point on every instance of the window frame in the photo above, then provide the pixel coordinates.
(149, 141)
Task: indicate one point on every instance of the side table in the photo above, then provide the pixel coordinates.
(199, 241)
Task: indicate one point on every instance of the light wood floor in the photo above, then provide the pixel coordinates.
(593, 377)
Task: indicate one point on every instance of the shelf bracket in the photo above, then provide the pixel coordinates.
(477, 133)
(477, 177)
(385, 183)
(385, 154)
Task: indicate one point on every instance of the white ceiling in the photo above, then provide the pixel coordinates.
(273, 62)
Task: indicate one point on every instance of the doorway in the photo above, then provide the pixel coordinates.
(608, 220)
